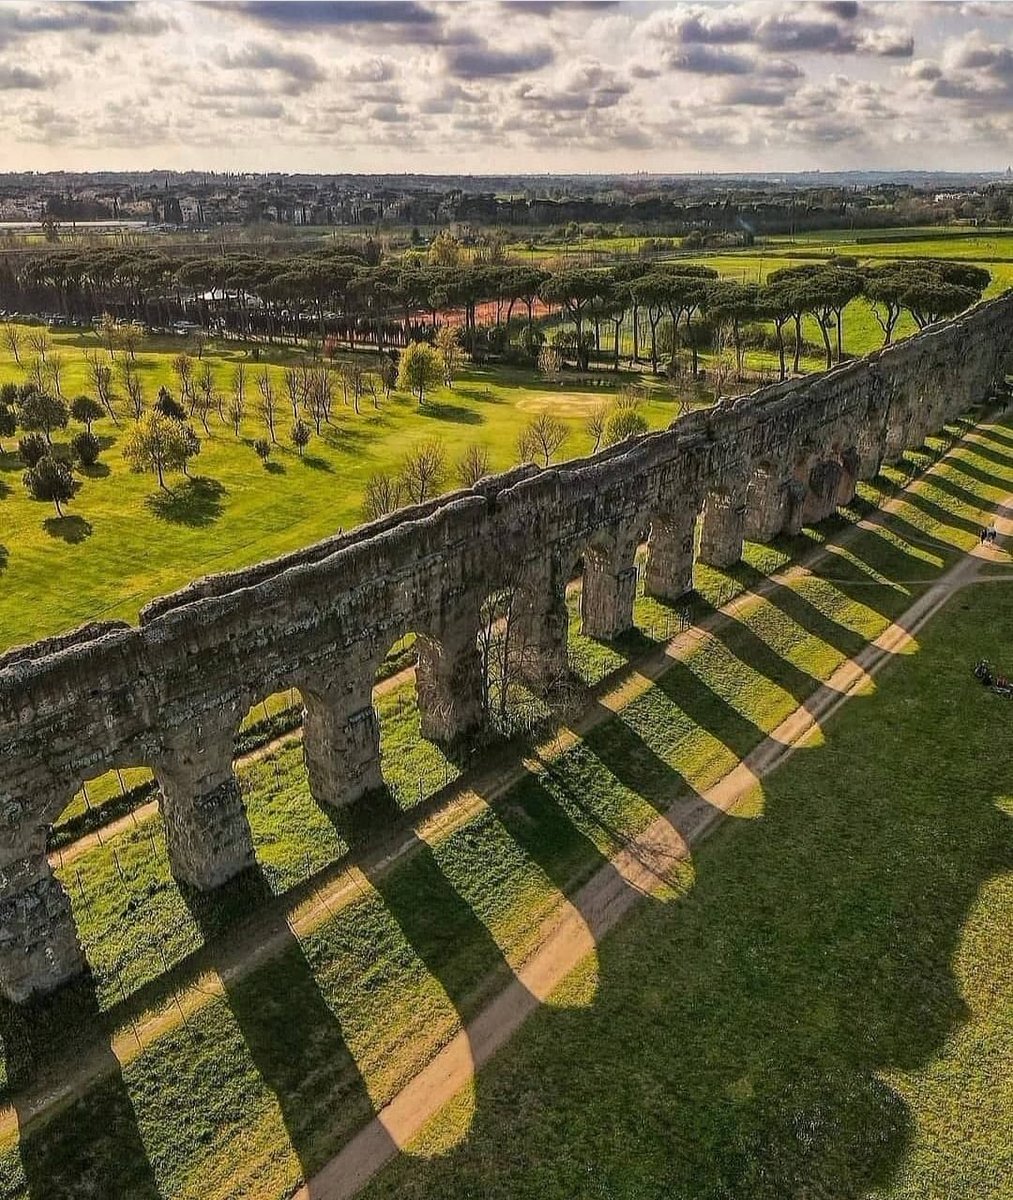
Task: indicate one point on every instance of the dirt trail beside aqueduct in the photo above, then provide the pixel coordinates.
(637, 870)
(572, 932)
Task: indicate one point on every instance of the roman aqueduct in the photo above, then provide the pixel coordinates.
(172, 692)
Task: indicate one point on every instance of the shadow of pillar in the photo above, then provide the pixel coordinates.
(439, 924)
(294, 1038)
(92, 1145)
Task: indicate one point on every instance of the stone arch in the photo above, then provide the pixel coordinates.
(724, 521)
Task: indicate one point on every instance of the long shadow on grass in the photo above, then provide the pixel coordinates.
(960, 466)
(92, 1146)
(293, 1036)
(437, 921)
(738, 1041)
(800, 610)
(737, 637)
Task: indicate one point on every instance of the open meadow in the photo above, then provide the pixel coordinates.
(818, 989)
(124, 541)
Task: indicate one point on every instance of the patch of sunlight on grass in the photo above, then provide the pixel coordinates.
(749, 805)
(447, 1129)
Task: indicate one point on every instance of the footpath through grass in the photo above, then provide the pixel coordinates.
(265, 1081)
(827, 1011)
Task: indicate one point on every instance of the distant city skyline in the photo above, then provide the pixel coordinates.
(493, 88)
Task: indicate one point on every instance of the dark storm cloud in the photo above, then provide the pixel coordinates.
(821, 29)
(714, 29)
(753, 96)
(993, 60)
(482, 61)
(125, 18)
(843, 10)
(18, 79)
(548, 8)
(791, 34)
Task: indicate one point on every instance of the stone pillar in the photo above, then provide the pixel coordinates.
(39, 949)
(821, 495)
(764, 517)
(721, 534)
(897, 422)
(669, 573)
(341, 744)
(848, 484)
(870, 454)
(607, 593)
(538, 632)
(207, 834)
(449, 682)
(794, 508)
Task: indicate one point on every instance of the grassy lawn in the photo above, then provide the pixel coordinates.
(123, 542)
(825, 1012)
(747, 1024)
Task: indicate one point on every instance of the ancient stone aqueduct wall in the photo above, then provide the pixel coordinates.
(172, 692)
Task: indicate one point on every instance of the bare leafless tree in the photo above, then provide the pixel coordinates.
(268, 406)
(101, 375)
(422, 470)
(595, 423)
(541, 438)
(237, 400)
(55, 364)
(132, 384)
(12, 339)
(182, 366)
(472, 466)
(38, 342)
(382, 496)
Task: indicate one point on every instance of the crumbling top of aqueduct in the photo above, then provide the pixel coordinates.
(171, 692)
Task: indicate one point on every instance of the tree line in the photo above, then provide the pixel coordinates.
(339, 299)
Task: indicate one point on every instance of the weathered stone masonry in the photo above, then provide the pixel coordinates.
(172, 692)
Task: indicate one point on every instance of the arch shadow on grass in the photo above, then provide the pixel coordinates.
(293, 1036)
(92, 1145)
(196, 502)
(741, 1039)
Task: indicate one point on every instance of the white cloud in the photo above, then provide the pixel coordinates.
(426, 85)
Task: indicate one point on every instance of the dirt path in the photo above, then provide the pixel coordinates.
(638, 869)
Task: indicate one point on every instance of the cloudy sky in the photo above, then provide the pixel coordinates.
(480, 86)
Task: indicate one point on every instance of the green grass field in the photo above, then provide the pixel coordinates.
(752, 1022)
(123, 541)
(825, 1012)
